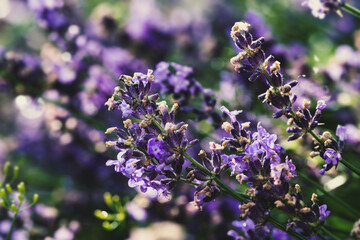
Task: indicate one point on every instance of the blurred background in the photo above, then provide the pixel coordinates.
(60, 60)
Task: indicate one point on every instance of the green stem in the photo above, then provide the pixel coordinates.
(316, 137)
(270, 81)
(8, 236)
(350, 166)
(353, 212)
(12, 226)
(158, 126)
(186, 181)
(329, 233)
(352, 10)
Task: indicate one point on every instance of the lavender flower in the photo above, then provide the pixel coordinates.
(255, 159)
(252, 59)
(147, 161)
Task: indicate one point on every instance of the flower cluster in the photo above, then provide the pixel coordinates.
(279, 95)
(149, 157)
(152, 154)
(257, 161)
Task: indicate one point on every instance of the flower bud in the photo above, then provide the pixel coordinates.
(2, 203)
(16, 172)
(6, 168)
(35, 198)
(8, 188)
(21, 187)
(2, 193)
(13, 207)
(20, 197)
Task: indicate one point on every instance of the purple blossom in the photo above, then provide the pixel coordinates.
(283, 172)
(321, 105)
(126, 109)
(331, 156)
(341, 132)
(158, 150)
(324, 213)
(179, 83)
(232, 115)
(264, 143)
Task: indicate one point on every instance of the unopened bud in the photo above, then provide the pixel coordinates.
(13, 207)
(16, 172)
(21, 187)
(2, 203)
(35, 198)
(2, 193)
(20, 197)
(115, 198)
(107, 198)
(8, 188)
(6, 167)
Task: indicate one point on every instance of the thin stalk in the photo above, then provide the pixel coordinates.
(8, 236)
(352, 10)
(312, 133)
(350, 166)
(270, 81)
(351, 211)
(186, 181)
(158, 126)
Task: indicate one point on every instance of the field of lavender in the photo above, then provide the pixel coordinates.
(179, 119)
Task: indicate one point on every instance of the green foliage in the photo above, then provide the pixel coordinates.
(12, 200)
